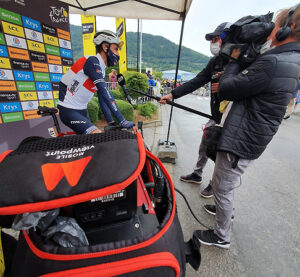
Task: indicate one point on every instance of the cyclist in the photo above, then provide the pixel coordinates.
(86, 77)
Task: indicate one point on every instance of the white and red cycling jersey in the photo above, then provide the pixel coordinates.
(84, 78)
(80, 88)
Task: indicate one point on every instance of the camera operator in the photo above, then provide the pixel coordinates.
(260, 94)
(211, 73)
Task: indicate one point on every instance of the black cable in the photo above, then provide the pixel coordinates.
(187, 203)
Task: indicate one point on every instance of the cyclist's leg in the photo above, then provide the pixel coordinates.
(77, 120)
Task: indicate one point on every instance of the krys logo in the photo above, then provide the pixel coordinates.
(58, 15)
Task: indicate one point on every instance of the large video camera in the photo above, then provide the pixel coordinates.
(249, 33)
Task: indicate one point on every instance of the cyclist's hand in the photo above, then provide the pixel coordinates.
(127, 124)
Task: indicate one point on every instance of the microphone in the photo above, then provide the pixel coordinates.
(121, 82)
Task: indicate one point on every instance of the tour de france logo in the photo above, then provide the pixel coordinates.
(58, 15)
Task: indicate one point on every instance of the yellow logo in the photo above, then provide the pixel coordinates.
(28, 95)
(55, 94)
(4, 63)
(13, 29)
(48, 103)
(36, 46)
(50, 40)
(66, 68)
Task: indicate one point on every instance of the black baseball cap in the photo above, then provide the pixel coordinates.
(219, 30)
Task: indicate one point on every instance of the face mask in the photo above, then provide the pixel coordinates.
(215, 48)
(266, 46)
(112, 58)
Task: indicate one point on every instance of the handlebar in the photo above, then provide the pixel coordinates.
(44, 110)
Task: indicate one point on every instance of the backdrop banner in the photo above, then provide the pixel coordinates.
(121, 33)
(34, 36)
(88, 31)
(35, 51)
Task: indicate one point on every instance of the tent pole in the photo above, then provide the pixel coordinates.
(137, 45)
(177, 67)
(141, 45)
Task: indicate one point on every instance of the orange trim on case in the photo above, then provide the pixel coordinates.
(62, 257)
(67, 201)
(4, 154)
(161, 259)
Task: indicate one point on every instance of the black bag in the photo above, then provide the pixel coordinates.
(211, 137)
(107, 179)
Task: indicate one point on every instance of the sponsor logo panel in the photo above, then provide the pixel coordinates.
(7, 86)
(2, 41)
(53, 50)
(16, 41)
(53, 59)
(31, 23)
(33, 35)
(40, 67)
(27, 95)
(41, 77)
(8, 96)
(6, 75)
(25, 86)
(44, 95)
(16, 53)
(48, 103)
(65, 44)
(43, 86)
(50, 40)
(49, 30)
(66, 53)
(55, 94)
(12, 117)
(55, 77)
(3, 51)
(31, 114)
(4, 63)
(56, 102)
(10, 107)
(13, 29)
(54, 68)
(67, 62)
(63, 34)
(20, 65)
(10, 16)
(36, 46)
(30, 105)
(66, 68)
(23, 75)
(55, 86)
(37, 57)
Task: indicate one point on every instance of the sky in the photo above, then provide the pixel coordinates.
(203, 17)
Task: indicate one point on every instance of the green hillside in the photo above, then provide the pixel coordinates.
(158, 52)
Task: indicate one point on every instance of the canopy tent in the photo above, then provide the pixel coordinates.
(143, 9)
